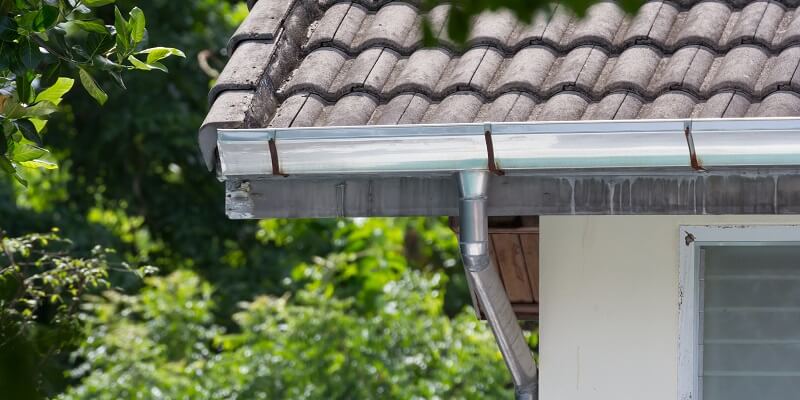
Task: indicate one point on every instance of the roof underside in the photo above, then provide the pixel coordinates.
(299, 63)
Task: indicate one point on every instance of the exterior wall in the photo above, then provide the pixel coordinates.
(609, 304)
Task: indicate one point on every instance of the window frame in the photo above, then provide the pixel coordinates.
(692, 239)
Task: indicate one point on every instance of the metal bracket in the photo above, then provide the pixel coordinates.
(491, 164)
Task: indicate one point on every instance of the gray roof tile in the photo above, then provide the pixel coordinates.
(263, 23)
(740, 69)
(526, 70)
(652, 23)
(633, 69)
(600, 26)
(334, 62)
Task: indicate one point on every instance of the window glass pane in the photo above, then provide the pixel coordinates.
(750, 323)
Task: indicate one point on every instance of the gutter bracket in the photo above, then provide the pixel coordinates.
(273, 154)
(693, 160)
(491, 164)
(473, 188)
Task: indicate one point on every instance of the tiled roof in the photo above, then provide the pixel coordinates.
(317, 63)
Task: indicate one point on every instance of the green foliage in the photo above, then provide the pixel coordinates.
(41, 289)
(42, 44)
(302, 346)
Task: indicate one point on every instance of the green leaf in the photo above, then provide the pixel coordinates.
(40, 110)
(97, 3)
(92, 87)
(123, 34)
(48, 16)
(136, 25)
(8, 28)
(159, 53)
(39, 163)
(91, 26)
(29, 54)
(26, 152)
(24, 89)
(138, 64)
(105, 64)
(28, 130)
(6, 165)
(55, 93)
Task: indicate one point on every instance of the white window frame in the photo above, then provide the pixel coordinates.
(692, 239)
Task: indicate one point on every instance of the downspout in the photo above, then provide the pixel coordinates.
(474, 245)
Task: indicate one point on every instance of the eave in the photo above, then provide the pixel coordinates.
(710, 166)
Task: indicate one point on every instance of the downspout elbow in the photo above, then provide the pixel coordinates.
(492, 297)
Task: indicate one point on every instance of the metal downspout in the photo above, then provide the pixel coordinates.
(474, 246)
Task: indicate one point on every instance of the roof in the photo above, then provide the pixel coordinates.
(297, 63)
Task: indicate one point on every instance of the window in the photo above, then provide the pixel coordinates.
(739, 313)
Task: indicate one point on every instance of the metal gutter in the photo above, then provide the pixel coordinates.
(421, 150)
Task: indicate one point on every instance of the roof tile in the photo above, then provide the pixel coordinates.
(686, 69)
(392, 24)
(458, 107)
(703, 24)
(511, 107)
(317, 72)
(351, 109)
(672, 104)
(245, 69)
(474, 69)
(363, 62)
(580, 68)
(527, 70)
(300, 110)
(731, 104)
(757, 22)
(778, 104)
(740, 69)
(564, 106)
(783, 70)
(263, 23)
(652, 23)
(603, 21)
(618, 105)
(407, 108)
(492, 27)
(419, 72)
(634, 69)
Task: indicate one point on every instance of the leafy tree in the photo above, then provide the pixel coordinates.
(163, 344)
(43, 44)
(42, 285)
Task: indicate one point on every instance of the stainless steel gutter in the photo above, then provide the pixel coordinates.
(529, 146)
(474, 244)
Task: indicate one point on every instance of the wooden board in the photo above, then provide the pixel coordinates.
(514, 249)
(512, 267)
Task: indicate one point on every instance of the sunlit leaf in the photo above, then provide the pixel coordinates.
(26, 152)
(91, 26)
(92, 87)
(39, 163)
(97, 3)
(159, 53)
(56, 92)
(136, 24)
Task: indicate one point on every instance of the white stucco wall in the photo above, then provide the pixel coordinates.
(609, 304)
